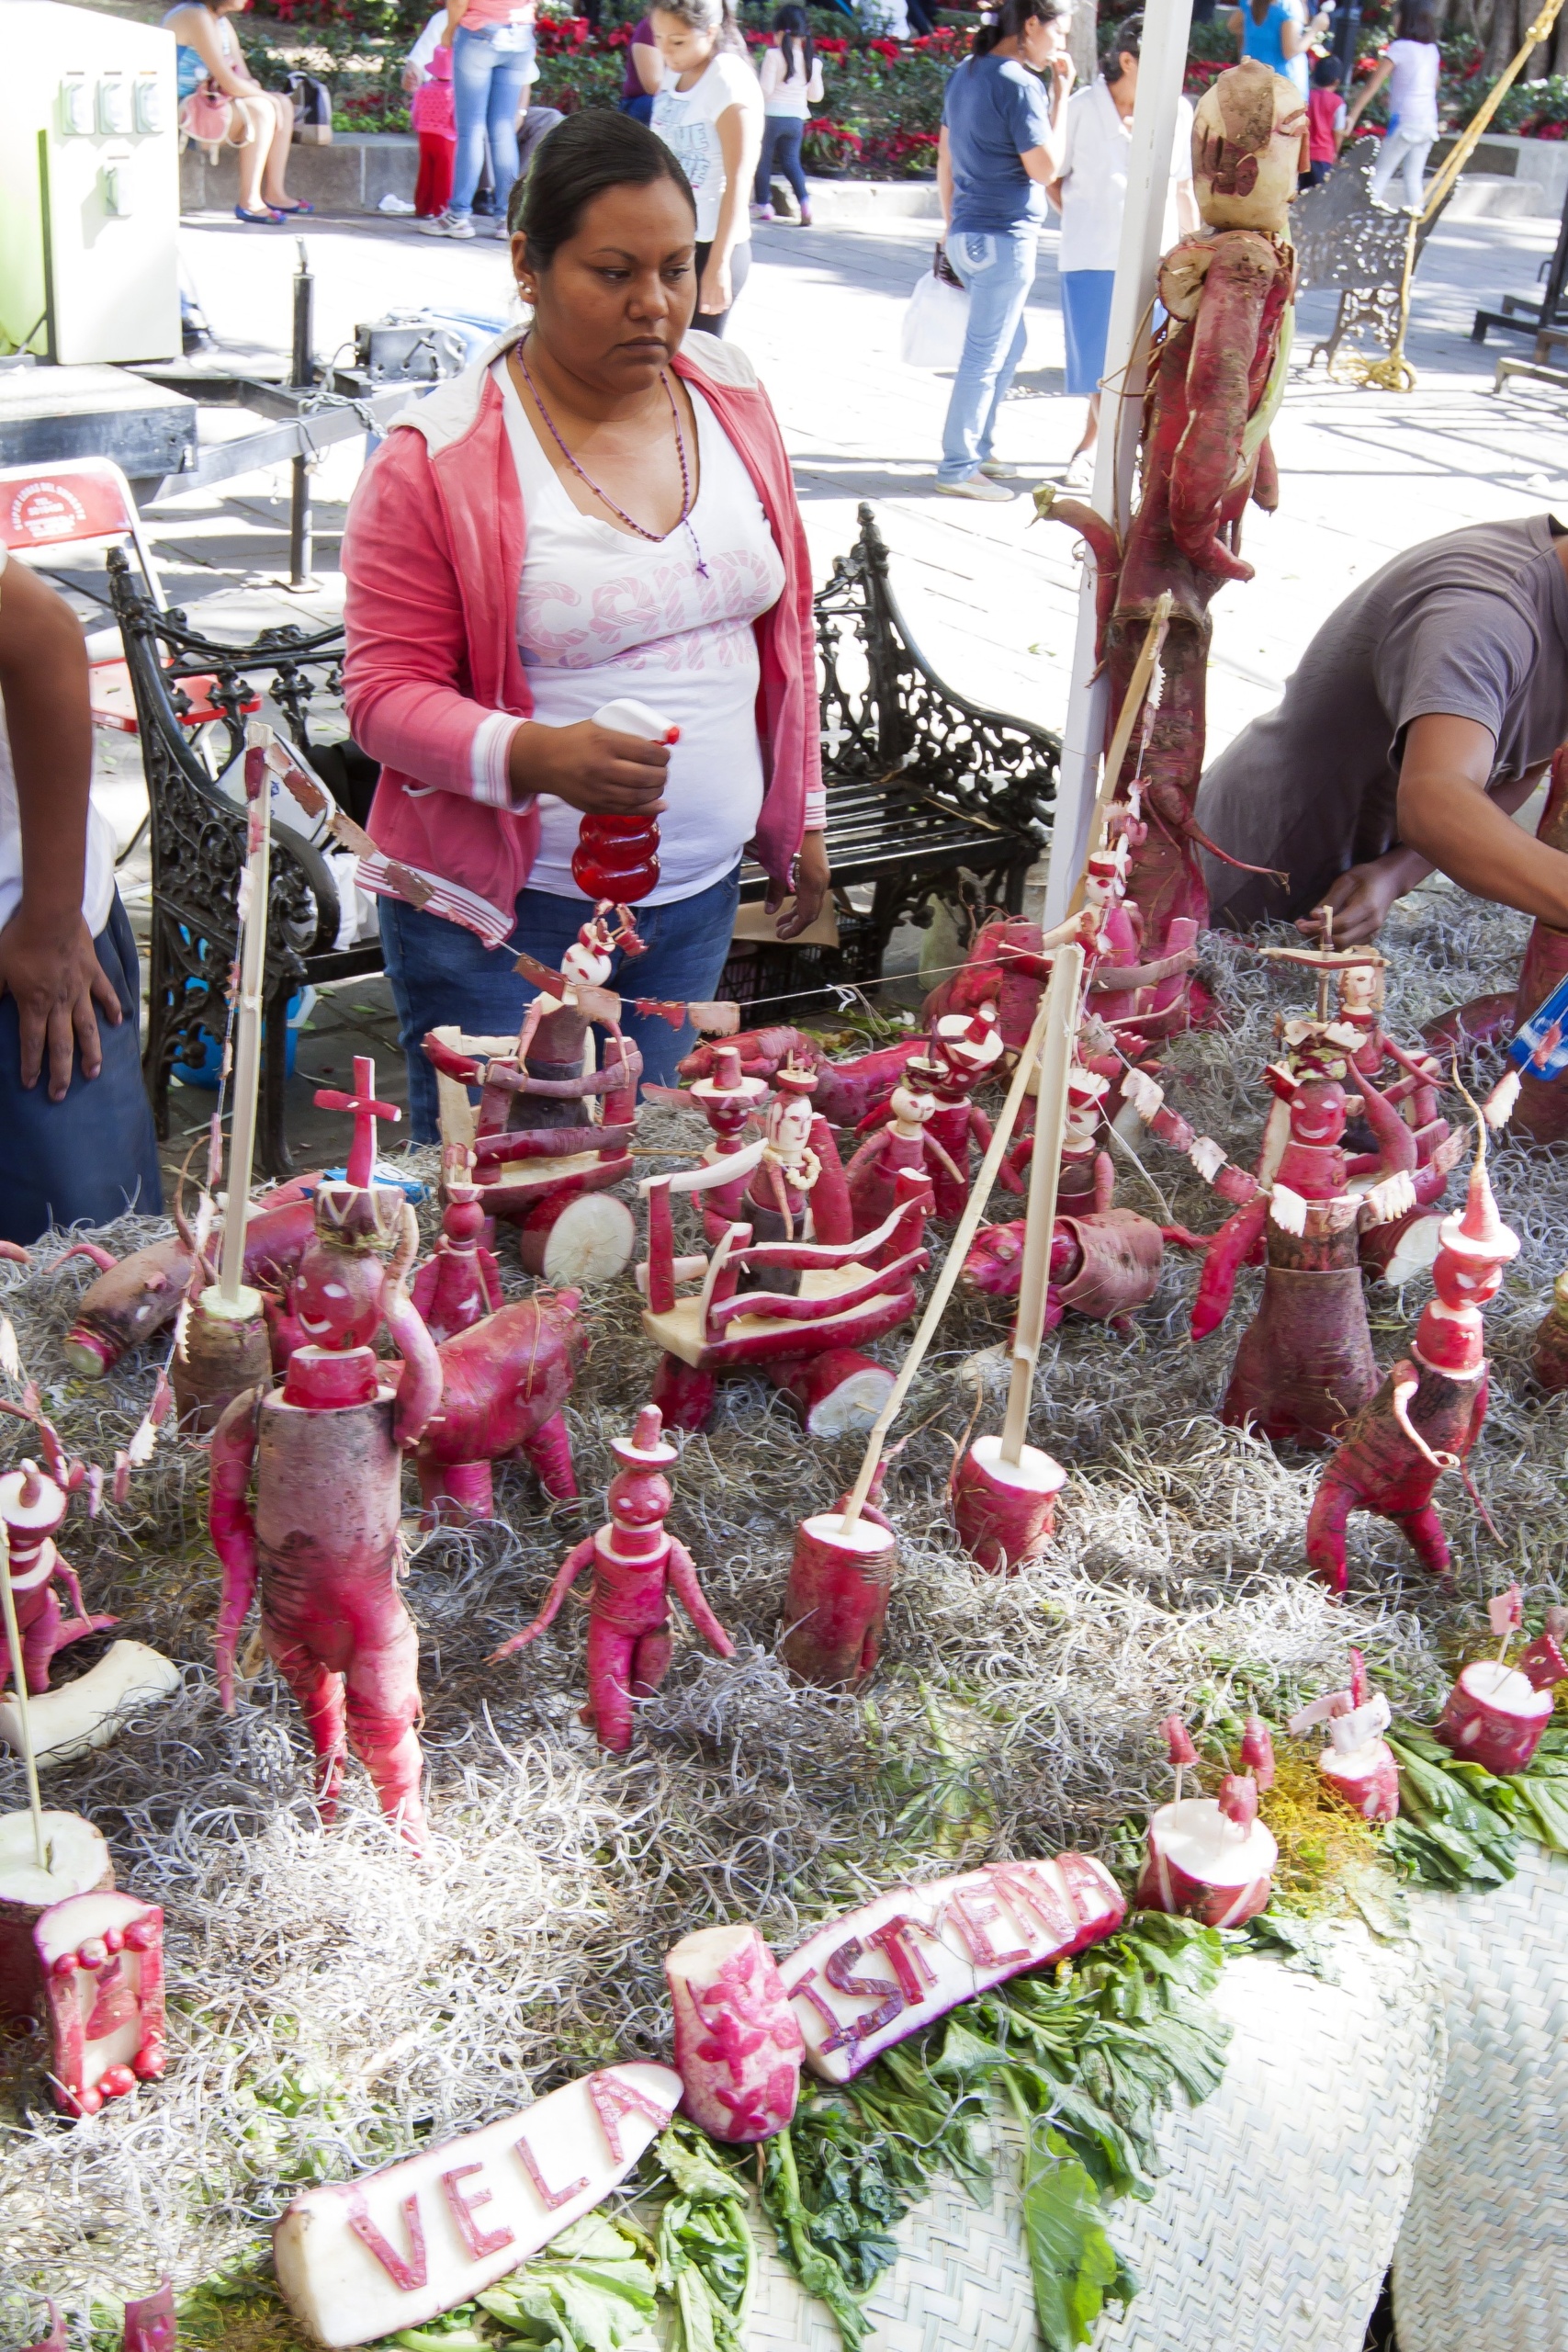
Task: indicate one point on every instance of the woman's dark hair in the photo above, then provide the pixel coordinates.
(1326, 73)
(1416, 22)
(1009, 21)
(705, 17)
(591, 151)
(794, 25)
(1127, 40)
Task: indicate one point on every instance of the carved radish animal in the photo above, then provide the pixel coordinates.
(503, 1384)
(1104, 1265)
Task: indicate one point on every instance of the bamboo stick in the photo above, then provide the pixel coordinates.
(19, 1681)
(247, 1029)
(1044, 1174)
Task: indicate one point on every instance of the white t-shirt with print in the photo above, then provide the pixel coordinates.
(98, 891)
(601, 614)
(687, 121)
(1094, 178)
(1413, 87)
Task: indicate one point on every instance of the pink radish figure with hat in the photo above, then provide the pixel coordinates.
(636, 1562)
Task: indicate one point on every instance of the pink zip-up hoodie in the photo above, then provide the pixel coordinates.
(434, 682)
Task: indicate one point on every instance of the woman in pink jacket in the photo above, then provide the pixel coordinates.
(586, 515)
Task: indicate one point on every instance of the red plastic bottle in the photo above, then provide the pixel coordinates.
(617, 857)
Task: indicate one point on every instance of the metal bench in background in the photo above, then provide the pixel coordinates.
(926, 793)
(1345, 241)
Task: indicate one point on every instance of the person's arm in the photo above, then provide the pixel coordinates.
(47, 960)
(1453, 820)
(771, 73)
(945, 179)
(815, 90)
(1238, 29)
(1339, 129)
(197, 27)
(1189, 220)
(649, 66)
(455, 12)
(1368, 94)
(739, 131)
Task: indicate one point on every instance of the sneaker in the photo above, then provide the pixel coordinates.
(977, 486)
(500, 230)
(761, 212)
(804, 215)
(448, 224)
(1080, 473)
(998, 469)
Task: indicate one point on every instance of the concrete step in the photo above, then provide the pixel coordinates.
(1494, 196)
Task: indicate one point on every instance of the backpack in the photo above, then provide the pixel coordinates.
(312, 110)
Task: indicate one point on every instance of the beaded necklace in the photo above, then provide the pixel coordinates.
(685, 516)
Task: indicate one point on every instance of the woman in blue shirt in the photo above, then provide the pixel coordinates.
(1001, 133)
(1277, 34)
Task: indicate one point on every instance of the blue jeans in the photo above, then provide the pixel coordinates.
(782, 135)
(441, 973)
(93, 1155)
(997, 269)
(488, 77)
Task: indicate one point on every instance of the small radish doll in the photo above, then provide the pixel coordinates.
(1496, 1712)
(635, 1564)
(1358, 1765)
(1210, 1858)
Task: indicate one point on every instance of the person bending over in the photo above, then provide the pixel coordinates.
(1424, 712)
(76, 1131)
(598, 508)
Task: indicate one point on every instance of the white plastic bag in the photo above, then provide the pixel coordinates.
(934, 324)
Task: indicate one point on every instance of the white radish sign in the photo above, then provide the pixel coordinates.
(879, 1974)
(361, 2259)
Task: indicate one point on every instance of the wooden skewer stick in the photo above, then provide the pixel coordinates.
(247, 1027)
(19, 1683)
(974, 1209)
(1044, 1174)
(1133, 701)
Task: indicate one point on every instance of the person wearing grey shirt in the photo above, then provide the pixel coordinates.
(1424, 712)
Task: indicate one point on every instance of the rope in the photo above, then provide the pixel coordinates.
(1395, 373)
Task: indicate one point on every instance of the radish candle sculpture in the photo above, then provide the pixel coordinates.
(1358, 1766)
(1210, 1858)
(636, 1563)
(738, 2046)
(324, 1542)
(1496, 1712)
(1429, 1412)
(101, 1959)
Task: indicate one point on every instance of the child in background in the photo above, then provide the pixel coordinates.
(1326, 119)
(432, 114)
(792, 86)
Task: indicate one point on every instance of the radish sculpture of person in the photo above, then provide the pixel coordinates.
(961, 1051)
(906, 1141)
(1216, 378)
(1496, 1712)
(799, 1164)
(1210, 1859)
(323, 1545)
(1358, 1767)
(460, 1284)
(33, 1506)
(1426, 1416)
(636, 1563)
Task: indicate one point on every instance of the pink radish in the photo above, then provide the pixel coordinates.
(1206, 1862)
(1495, 1717)
(738, 2046)
(837, 1393)
(101, 1959)
(585, 1237)
(79, 1863)
(1358, 1765)
(836, 1600)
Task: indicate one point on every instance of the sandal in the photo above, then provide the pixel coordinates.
(265, 220)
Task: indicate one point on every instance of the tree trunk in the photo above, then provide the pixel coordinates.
(1083, 42)
(1560, 46)
(1505, 36)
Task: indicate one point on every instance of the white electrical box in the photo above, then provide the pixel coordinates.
(89, 185)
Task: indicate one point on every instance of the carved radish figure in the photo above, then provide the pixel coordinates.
(1216, 378)
(636, 1563)
(1496, 1712)
(460, 1284)
(33, 1507)
(1210, 1858)
(503, 1384)
(324, 1542)
(1429, 1412)
(1358, 1766)
(738, 2047)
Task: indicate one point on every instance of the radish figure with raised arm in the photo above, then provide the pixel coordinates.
(323, 1545)
(636, 1563)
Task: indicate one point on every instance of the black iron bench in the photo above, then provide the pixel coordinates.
(924, 787)
(1345, 241)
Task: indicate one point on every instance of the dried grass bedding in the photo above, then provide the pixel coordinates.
(332, 2003)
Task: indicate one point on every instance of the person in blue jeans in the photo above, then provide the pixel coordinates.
(77, 1141)
(492, 64)
(1001, 140)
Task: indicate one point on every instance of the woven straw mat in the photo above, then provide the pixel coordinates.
(1272, 2229)
(1483, 2258)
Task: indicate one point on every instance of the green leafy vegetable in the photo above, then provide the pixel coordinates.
(1075, 2269)
(593, 2290)
(705, 2256)
(1457, 1823)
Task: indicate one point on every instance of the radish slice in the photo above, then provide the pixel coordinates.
(1495, 1717)
(1414, 1252)
(575, 1242)
(87, 1714)
(1366, 1778)
(1200, 1864)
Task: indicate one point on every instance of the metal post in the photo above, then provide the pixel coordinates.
(300, 548)
(1161, 71)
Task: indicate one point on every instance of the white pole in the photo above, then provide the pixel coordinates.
(233, 1296)
(1161, 70)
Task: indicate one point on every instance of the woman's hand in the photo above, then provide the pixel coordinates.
(411, 77)
(51, 969)
(714, 295)
(590, 767)
(1064, 74)
(812, 877)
